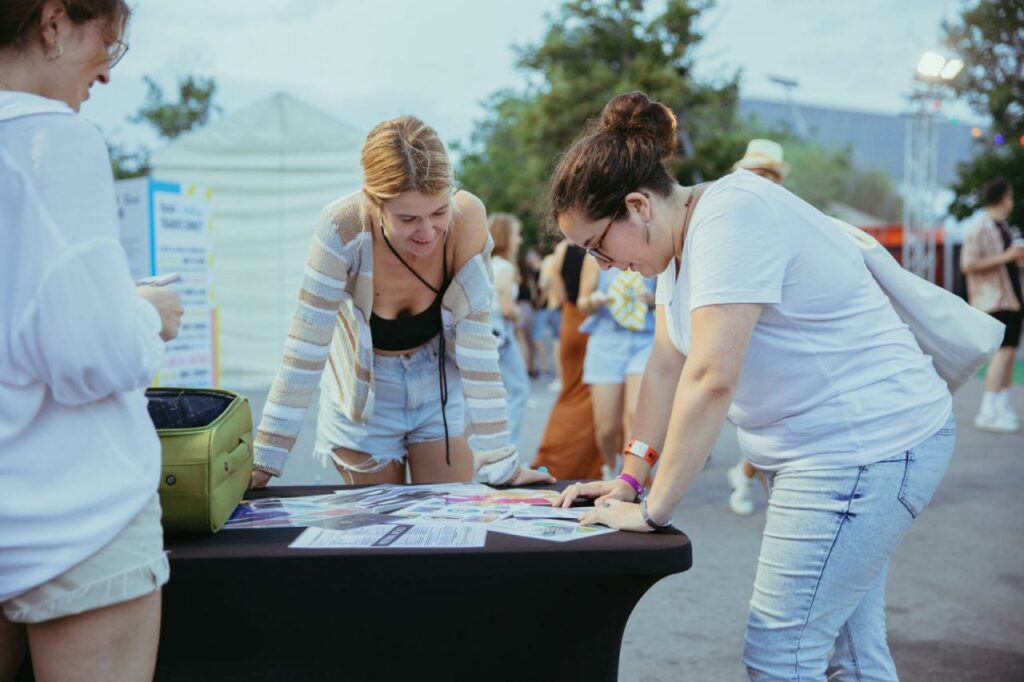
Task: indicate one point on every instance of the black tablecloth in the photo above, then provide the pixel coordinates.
(241, 605)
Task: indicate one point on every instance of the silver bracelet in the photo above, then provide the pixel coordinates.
(647, 517)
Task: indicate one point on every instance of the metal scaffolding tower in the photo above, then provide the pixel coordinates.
(920, 186)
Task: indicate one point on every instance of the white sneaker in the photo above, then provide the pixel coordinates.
(996, 422)
(1008, 415)
(740, 500)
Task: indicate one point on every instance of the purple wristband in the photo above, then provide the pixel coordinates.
(633, 483)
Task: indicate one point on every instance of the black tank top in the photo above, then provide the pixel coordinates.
(572, 266)
(411, 331)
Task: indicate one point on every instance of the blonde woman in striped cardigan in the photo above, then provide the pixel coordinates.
(393, 322)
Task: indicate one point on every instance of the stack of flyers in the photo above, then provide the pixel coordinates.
(510, 496)
(439, 511)
(292, 512)
(451, 488)
(525, 511)
(556, 530)
(271, 512)
(399, 535)
(379, 499)
(357, 497)
(345, 519)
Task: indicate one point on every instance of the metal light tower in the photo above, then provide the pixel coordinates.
(920, 163)
(919, 177)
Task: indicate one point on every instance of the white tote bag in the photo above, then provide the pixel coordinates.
(958, 337)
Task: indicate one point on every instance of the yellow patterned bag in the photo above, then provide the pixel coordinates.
(627, 300)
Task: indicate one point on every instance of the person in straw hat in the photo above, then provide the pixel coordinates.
(764, 158)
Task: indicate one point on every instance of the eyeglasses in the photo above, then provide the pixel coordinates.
(116, 52)
(595, 250)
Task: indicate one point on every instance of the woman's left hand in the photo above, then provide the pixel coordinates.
(617, 514)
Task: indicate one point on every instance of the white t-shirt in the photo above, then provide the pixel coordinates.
(832, 376)
(79, 457)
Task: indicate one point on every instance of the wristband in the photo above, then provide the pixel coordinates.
(643, 451)
(633, 483)
(654, 525)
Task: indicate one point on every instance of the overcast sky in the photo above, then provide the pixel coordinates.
(367, 60)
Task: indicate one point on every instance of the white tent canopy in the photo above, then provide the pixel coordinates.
(271, 168)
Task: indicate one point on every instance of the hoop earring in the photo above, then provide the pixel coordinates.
(60, 51)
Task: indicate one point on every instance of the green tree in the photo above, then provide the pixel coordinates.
(192, 109)
(126, 162)
(989, 37)
(593, 50)
(170, 118)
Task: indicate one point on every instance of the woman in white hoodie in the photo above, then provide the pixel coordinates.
(81, 547)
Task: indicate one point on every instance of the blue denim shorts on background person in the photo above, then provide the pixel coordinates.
(614, 354)
(819, 595)
(407, 409)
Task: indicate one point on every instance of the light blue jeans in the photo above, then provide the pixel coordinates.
(818, 609)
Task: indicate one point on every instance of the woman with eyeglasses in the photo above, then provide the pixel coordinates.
(394, 321)
(766, 312)
(81, 546)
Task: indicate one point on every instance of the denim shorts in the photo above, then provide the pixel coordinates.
(130, 566)
(406, 410)
(614, 354)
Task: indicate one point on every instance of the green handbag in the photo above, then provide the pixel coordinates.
(206, 439)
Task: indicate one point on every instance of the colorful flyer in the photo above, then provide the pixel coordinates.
(555, 530)
(400, 535)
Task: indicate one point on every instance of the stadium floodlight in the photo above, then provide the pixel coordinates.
(952, 69)
(935, 68)
(930, 65)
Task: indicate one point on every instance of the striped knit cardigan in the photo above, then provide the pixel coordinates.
(331, 327)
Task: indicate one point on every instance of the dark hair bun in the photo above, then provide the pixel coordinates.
(634, 114)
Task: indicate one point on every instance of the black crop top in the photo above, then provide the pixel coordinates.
(411, 331)
(408, 332)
